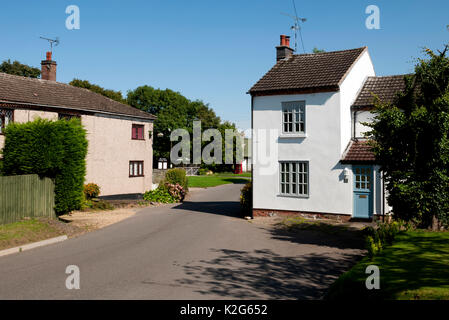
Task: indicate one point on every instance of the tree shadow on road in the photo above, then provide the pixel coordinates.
(224, 208)
(335, 236)
(265, 274)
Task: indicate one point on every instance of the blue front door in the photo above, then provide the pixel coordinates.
(363, 186)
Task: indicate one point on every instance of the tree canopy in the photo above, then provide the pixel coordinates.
(174, 111)
(19, 69)
(112, 94)
(411, 143)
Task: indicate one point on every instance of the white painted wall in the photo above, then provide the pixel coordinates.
(328, 132)
(321, 147)
(349, 89)
(361, 117)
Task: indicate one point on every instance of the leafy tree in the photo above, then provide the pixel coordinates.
(316, 50)
(19, 69)
(173, 111)
(111, 94)
(411, 143)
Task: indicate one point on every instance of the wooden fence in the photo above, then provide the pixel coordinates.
(26, 196)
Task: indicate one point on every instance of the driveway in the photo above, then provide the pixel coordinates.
(195, 250)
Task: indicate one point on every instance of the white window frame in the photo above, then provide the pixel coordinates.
(292, 180)
(6, 117)
(294, 115)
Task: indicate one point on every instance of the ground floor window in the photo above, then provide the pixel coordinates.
(6, 117)
(294, 178)
(136, 168)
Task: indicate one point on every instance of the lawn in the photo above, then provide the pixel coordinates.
(26, 231)
(217, 180)
(415, 266)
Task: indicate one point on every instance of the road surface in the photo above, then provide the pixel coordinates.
(195, 250)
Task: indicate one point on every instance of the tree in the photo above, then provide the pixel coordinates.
(18, 69)
(316, 50)
(411, 143)
(111, 94)
(174, 111)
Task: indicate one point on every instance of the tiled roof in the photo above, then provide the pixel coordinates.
(304, 72)
(358, 151)
(385, 88)
(16, 89)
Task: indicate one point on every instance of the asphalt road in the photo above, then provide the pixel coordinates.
(195, 250)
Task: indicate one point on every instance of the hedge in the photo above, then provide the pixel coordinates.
(54, 149)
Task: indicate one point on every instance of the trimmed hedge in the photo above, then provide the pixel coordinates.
(54, 149)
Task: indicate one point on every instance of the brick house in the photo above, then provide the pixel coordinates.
(120, 151)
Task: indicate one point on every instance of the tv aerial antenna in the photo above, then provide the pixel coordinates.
(52, 42)
(296, 27)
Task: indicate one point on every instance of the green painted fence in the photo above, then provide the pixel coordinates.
(26, 196)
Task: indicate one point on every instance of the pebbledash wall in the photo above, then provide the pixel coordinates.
(328, 130)
(110, 150)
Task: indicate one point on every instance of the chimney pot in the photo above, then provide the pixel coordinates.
(284, 51)
(48, 68)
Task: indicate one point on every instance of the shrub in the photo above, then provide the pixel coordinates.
(203, 171)
(246, 199)
(177, 176)
(160, 194)
(97, 205)
(91, 190)
(54, 149)
(383, 235)
(175, 190)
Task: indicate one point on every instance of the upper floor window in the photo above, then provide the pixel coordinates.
(6, 116)
(294, 117)
(137, 132)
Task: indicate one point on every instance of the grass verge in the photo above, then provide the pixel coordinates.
(213, 181)
(414, 267)
(27, 231)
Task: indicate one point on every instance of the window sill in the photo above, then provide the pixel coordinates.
(293, 136)
(137, 176)
(293, 196)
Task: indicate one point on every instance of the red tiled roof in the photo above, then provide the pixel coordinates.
(314, 71)
(386, 88)
(22, 90)
(358, 151)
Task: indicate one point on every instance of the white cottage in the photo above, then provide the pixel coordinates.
(309, 155)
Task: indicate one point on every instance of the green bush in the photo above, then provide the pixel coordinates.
(203, 171)
(177, 176)
(54, 149)
(246, 199)
(160, 194)
(91, 190)
(383, 235)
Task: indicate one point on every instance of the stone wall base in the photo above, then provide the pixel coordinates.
(307, 215)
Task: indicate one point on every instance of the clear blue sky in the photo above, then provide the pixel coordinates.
(210, 50)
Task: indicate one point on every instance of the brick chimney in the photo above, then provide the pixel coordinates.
(48, 68)
(283, 51)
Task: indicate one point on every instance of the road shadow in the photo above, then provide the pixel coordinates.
(224, 208)
(340, 237)
(262, 274)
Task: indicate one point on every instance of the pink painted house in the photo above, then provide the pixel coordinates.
(120, 151)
